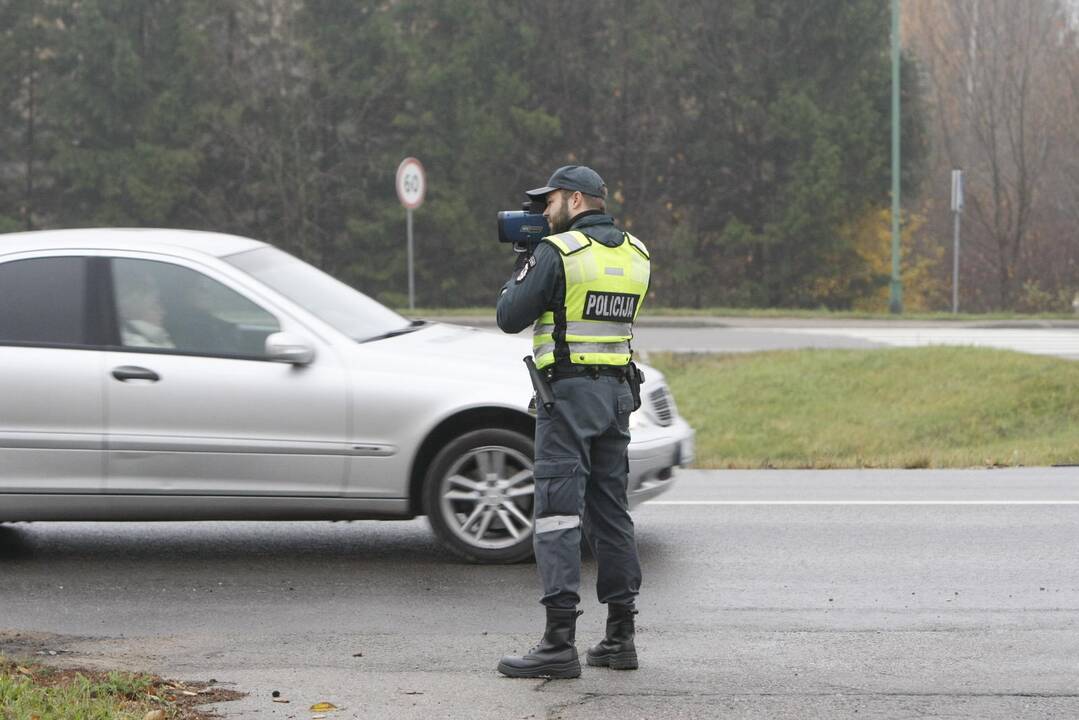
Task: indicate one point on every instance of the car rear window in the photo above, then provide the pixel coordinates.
(43, 301)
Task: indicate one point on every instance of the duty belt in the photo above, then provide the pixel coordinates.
(561, 372)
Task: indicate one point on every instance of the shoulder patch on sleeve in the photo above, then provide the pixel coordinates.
(524, 270)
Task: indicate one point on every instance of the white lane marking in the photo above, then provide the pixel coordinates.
(862, 502)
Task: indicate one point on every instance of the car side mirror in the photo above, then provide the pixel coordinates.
(286, 348)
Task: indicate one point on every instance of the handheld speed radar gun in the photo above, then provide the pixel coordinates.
(523, 228)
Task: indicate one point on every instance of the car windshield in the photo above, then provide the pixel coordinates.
(331, 300)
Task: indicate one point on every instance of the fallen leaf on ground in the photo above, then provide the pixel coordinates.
(154, 715)
(322, 707)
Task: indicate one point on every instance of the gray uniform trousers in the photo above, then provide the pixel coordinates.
(581, 472)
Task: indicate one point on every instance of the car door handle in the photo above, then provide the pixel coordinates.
(134, 372)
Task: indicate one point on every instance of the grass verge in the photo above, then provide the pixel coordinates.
(825, 314)
(934, 407)
(31, 691)
(820, 314)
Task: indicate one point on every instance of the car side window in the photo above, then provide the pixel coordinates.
(161, 306)
(43, 301)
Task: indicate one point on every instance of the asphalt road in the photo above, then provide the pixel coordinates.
(778, 594)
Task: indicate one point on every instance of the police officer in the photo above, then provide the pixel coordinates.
(581, 289)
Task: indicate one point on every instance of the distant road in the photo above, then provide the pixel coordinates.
(1058, 342)
(713, 334)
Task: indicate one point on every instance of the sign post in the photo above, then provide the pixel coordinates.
(957, 208)
(895, 304)
(411, 187)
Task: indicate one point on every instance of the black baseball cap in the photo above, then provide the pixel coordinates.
(572, 177)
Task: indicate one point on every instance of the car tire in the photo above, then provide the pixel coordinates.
(478, 495)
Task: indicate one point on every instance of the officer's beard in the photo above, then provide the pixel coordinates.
(560, 221)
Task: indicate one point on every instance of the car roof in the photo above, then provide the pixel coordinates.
(193, 241)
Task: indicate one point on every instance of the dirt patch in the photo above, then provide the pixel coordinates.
(128, 654)
(49, 659)
(20, 644)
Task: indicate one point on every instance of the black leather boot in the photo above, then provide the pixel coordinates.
(555, 656)
(616, 650)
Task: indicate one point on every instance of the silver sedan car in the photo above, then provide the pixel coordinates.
(177, 375)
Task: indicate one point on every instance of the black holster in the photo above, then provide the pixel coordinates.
(635, 378)
(540, 384)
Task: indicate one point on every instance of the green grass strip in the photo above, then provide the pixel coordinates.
(117, 696)
(934, 407)
(825, 314)
(31, 691)
(771, 313)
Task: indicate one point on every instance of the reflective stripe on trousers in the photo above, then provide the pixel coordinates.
(554, 523)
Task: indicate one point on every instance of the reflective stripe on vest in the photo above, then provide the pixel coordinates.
(605, 287)
(639, 245)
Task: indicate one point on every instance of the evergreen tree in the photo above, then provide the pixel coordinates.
(743, 141)
(125, 150)
(29, 33)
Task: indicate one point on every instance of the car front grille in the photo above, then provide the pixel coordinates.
(663, 409)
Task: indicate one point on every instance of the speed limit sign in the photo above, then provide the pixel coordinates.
(411, 183)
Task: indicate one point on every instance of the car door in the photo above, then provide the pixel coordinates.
(51, 370)
(194, 407)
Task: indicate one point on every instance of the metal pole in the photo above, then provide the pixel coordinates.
(955, 267)
(896, 303)
(411, 278)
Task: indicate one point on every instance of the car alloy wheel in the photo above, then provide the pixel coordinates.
(480, 494)
(488, 495)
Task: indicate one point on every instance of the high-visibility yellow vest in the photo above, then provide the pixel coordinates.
(605, 287)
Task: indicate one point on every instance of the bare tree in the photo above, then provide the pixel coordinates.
(992, 66)
(1067, 196)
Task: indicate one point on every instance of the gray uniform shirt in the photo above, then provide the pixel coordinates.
(541, 284)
